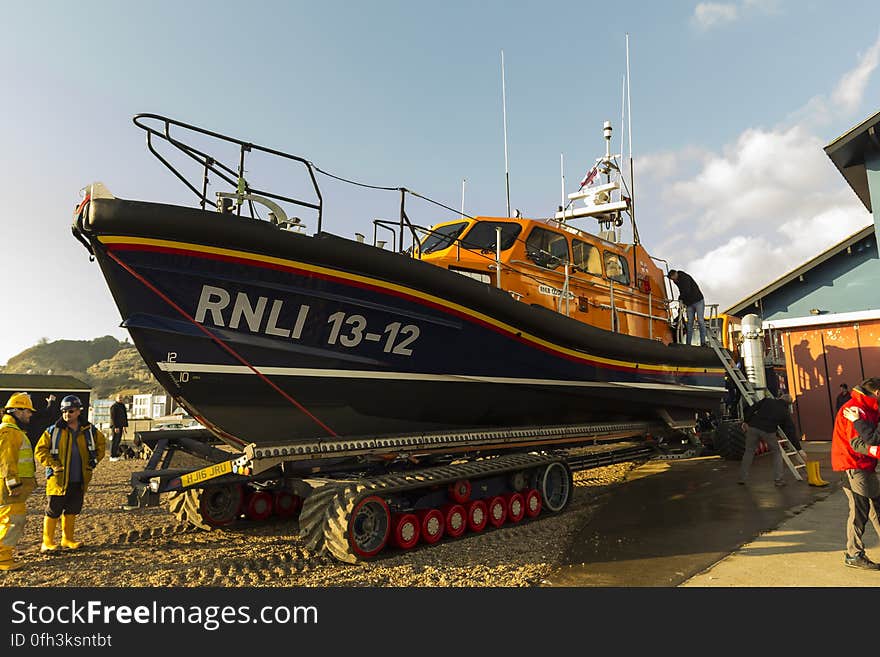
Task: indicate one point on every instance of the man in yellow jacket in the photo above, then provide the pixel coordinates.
(70, 449)
(16, 475)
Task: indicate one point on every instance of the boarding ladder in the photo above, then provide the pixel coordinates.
(790, 456)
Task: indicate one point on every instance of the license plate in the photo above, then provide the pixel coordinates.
(204, 474)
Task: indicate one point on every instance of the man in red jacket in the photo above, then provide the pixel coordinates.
(854, 452)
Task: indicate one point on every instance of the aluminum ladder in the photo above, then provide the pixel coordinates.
(790, 456)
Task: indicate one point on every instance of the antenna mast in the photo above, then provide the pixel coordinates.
(562, 176)
(463, 182)
(632, 181)
(622, 118)
(504, 114)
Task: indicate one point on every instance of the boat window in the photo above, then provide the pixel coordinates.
(442, 237)
(616, 268)
(585, 257)
(546, 248)
(482, 235)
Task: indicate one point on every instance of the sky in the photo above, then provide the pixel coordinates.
(731, 106)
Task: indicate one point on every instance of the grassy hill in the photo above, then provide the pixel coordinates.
(105, 363)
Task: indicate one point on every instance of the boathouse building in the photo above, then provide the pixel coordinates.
(825, 314)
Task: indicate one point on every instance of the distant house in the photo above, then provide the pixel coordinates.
(826, 312)
(150, 406)
(100, 412)
(140, 406)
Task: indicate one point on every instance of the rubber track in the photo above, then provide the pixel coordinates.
(729, 441)
(343, 498)
(313, 515)
(185, 507)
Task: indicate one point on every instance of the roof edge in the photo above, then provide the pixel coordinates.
(792, 274)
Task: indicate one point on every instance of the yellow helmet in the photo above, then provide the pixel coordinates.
(20, 400)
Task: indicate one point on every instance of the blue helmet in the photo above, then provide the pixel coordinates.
(71, 401)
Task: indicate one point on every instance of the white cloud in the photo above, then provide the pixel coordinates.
(767, 203)
(708, 15)
(744, 264)
(725, 272)
(711, 14)
(670, 164)
(851, 88)
(755, 177)
(766, 6)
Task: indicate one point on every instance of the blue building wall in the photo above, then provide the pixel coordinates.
(846, 282)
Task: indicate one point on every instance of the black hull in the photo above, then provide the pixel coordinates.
(274, 337)
(244, 407)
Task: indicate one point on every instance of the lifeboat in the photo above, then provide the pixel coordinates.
(269, 335)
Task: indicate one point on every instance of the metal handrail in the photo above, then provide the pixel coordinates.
(211, 164)
(384, 223)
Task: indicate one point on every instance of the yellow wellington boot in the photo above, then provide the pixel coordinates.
(49, 526)
(813, 476)
(7, 562)
(67, 525)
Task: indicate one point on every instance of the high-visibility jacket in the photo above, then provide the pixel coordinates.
(53, 451)
(843, 454)
(17, 471)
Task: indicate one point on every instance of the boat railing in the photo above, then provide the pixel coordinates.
(398, 228)
(384, 224)
(182, 138)
(651, 301)
(714, 322)
(672, 305)
(160, 128)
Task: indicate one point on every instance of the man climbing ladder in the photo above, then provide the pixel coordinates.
(761, 421)
(763, 413)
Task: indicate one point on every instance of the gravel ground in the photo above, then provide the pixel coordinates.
(151, 548)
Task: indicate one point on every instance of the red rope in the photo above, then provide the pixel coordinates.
(220, 342)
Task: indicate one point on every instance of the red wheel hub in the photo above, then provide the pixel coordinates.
(456, 520)
(460, 491)
(287, 504)
(258, 505)
(369, 526)
(432, 525)
(405, 530)
(497, 511)
(477, 515)
(516, 507)
(532, 503)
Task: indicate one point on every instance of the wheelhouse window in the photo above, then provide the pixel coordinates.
(442, 237)
(482, 235)
(585, 257)
(616, 268)
(546, 248)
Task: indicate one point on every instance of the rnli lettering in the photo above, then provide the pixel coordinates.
(263, 315)
(350, 331)
(214, 300)
(272, 327)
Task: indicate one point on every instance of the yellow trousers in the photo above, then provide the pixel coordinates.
(12, 520)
